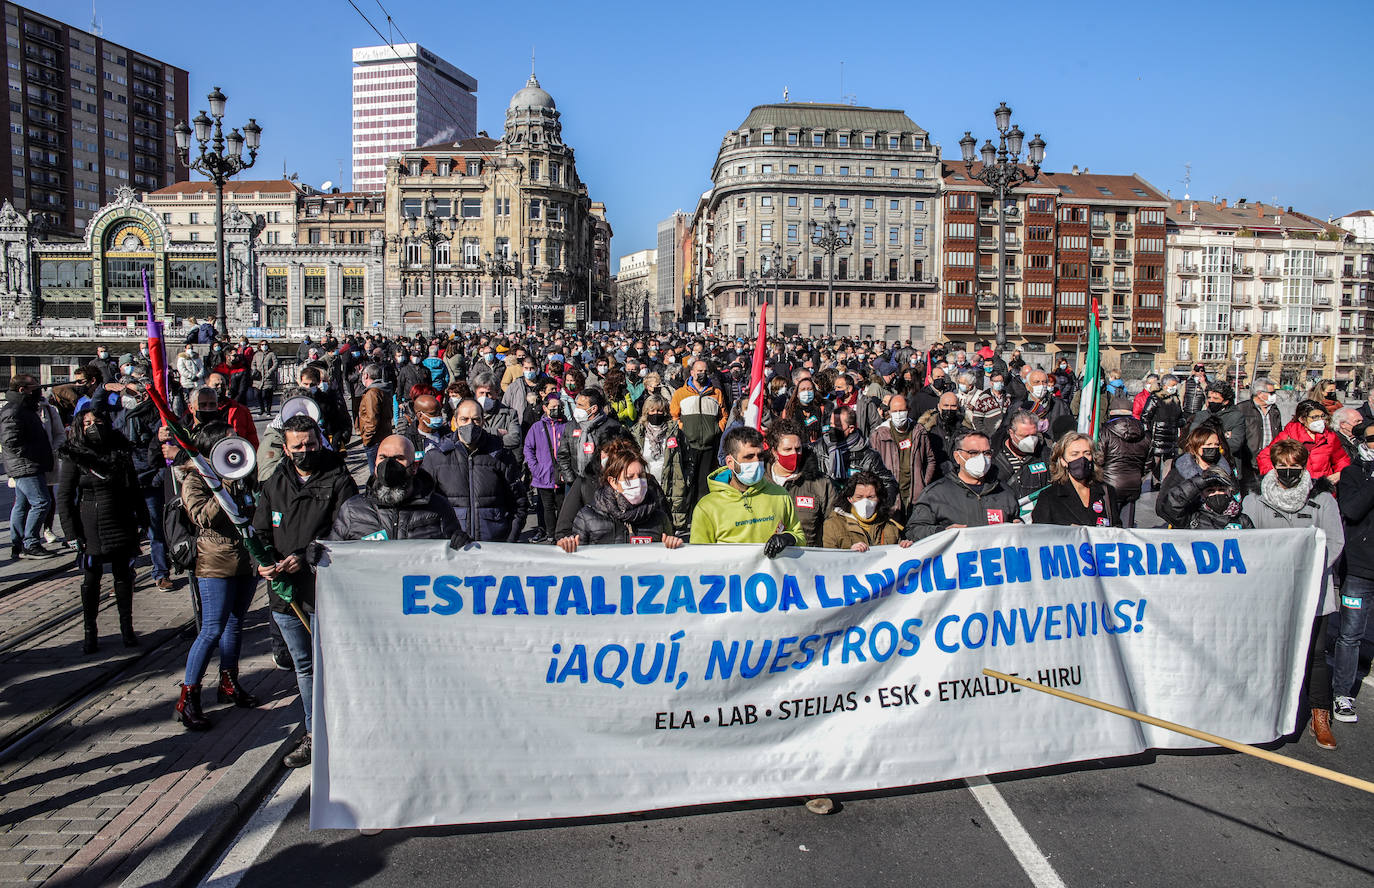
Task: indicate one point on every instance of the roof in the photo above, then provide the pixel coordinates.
(802, 115)
(531, 95)
(476, 143)
(1100, 186)
(1256, 216)
(234, 186)
(956, 177)
(1357, 214)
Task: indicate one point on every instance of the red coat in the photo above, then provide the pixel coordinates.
(238, 416)
(1138, 405)
(1325, 455)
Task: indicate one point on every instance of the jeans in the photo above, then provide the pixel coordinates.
(1353, 618)
(372, 458)
(224, 603)
(297, 639)
(157, 546)
(32, 503)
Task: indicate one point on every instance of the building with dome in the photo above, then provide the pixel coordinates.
(522, 244)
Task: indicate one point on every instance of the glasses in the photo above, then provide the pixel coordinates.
(976, 452)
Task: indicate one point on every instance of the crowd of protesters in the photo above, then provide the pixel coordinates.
(584, 439)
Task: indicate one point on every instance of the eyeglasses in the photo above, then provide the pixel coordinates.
(976, 452)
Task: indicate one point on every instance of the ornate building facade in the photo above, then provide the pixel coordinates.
(524, 244)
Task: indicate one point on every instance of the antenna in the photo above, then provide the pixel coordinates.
(1187, 180)
(96, 29)
(846, 98)
(531, 60)
(784, 94)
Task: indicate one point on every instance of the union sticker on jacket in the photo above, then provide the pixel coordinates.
(806, 502)
(994, 516)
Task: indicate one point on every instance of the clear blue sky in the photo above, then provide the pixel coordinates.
(1250, 93)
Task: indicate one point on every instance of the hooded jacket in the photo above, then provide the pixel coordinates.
(580, 442)
(753, 515)
(541, 451)
(950, 501)
(1125, 452)
(99, 500)
(672, 477)
(438, 373)
(843, 529)
(1325, 455)
(423, 515)
(1180, 494)
(26, 448)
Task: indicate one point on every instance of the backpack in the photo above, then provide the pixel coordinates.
(179, 533)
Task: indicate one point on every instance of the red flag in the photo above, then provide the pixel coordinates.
(753, 414)
(156, 355)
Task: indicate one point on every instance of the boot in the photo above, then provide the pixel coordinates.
(124, 603)
(90, 605)
(188, 710)
(1321, 728)
(230, 691)
(300, 756)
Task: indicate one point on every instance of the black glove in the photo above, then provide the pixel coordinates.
(460, 539)
(777, 543)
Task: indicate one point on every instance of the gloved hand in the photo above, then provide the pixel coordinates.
(460, 539)
(777, 543)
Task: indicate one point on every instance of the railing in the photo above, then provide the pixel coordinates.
(1268, 300)
(1101, 225)
(1121, 255)
(1190, 327)
(1240, 298)
(1242, 271)
(1321, 300)
(1098, 283)
(1099, 254)
(1121, 283)
(1271, 272)
(1186, 268)
(1124, 228)
(1121, 311)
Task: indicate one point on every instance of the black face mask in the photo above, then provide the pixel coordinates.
(392, 472)
(1211, 455)
(949, 417)
(657, 419)
(307, 460)
(468, 433)
(1081, 469)
(1218, 502)
(1215, 407)
(95, 436)
(1289, 476)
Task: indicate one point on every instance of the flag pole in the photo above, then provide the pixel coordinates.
(1233, 745)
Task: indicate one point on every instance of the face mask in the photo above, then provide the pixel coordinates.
(580, 415)
(865, 508)
(963, 388)
(749, 473)
(307, 461)
(1366, 453)
(987, 368)
(699, 379)
(634, 490)
(357, 354)
(1169, 390)
(1210, 455)
(949, 417)
(1081, 469)
(1038, 391)
(127, 369)
(643, 372)
(807, 396)
(487, 402)
(1028, 443)
(998, 385)
(468, 433)
(414, 359)
(1214, 408)
(1317, 426)
(657, 419)
(1219, 502)
(324, 386)
(899, 418)
(103, 355)
(433, 422)
(454, 402)
(1289, 476)
(600, 368)
(391, 472)
(556, 412)
(570, 386)
(531, 375)
(128, 402)
(789, 462)
(976, 466)
(489, 358)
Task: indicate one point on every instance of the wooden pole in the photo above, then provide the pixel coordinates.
(1274, 757)
(300, 614)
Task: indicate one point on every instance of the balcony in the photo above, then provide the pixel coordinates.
(1121, 255)
(1240, 298)
(1240, 328)
(1099, 254)
(1190, 327)
(1124, 228)
(1121, 311)
(989, 272)
(1269, 328)
(1242, 271)
(1101, 225)
(989, 328)
(1323, 274)
(1185, 268)
(987, 243)
(1321, 300)
(1268, 300)
(1121, 283)
(989, 214)
(1098, 283)
(1270, 272)
(1120, 336)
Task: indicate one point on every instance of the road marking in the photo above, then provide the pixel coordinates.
(1023, 847)
(249, 844)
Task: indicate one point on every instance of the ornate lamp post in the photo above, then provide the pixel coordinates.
(429, 229)
(753, 288)
(500, 267)
(1002, 172)
(218, 164)
(831, 235)
(773, 271)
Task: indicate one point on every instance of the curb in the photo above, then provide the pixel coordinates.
(199, 837)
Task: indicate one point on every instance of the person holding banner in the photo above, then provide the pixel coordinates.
(868, 520)
(1287, 499)
(1022, 459)
(657, 437)
(628, 507)
(1076, 496)
(797, 469)
(967, 497)
(743, 506)
(399, 502)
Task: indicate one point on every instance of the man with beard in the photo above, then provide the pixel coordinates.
(400, 501)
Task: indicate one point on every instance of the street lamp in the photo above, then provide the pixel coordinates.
(753, 287)
(773, 271)
(500, 267)
(218, 163)
(831, 236)
(1002, 172)
(430, 229)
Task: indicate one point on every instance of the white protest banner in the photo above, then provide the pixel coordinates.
(511, 682)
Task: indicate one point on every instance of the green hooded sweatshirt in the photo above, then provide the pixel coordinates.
(726, 515)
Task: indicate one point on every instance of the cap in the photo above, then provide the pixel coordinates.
(986, 352)
(884, 368)
(126, 358)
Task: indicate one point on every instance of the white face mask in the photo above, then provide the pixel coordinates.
(865, 508)
(1366, 453)
(634, 490)
(579, 414)
(1027, 444)
(976, 466)
(1317, 426)
(963, 388)
(1038, 391)
(1170, 389)
(899, 418)
(129, 402)
(487, 402)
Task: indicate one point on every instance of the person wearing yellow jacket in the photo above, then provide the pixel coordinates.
(744, 506)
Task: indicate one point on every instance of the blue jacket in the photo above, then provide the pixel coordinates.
(483, 486)
(437, 372)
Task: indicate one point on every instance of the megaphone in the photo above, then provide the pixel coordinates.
(233, 458)
(298, 405)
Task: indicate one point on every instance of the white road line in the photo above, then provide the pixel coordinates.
(249, 844)
(1027, 853)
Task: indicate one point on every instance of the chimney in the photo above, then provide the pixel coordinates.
(1222, 205)
(1074, 171)
(1259, 211)
(1179, 207)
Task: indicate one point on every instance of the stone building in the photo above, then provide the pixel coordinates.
(523, 245)
(636, 282)
(774, 178)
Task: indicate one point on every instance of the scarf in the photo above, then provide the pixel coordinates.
(654, 439)
(615, 507)
(839, 455)
(1285, 499)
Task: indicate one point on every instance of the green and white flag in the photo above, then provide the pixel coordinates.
(1092, 379)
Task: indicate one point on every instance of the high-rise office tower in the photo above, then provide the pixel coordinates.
(404, 96)
(86, 116)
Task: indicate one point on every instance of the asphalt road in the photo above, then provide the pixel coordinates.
(1206, 818)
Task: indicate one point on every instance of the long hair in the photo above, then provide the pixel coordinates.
(1058, 473)
(868, 479)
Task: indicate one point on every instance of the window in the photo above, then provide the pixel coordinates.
(844, 203)
(534, 171)
(792, 232)
(868, 141)
(195, 219)
(894, 173)
(844, 140)
(868, 203)
(535, 206)
(740, 233)
(791, 200)
(844, 171)
(818, 202)
(766, 233)
(766, 168)
(766, 201)
(474, 167)
(894, 235)
(739, 203)
(442, 253)
(792, 168)
(960, 229)
(791, 138)
(413, 253)
(818, 170)
(894, 142)
(868, 171)
(443, 168)
(817, 139)
(868, 234)
(555, 173)
(920, 174)
(919, 206)
(894, 206)
(768, 138)
(919, 235)
(472, 208)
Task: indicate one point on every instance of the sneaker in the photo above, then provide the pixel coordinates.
(1344, 710)
(37, 551)
(300, 756)
(539, 535)
(166, 584)
(282, 660)
(50, 537)
(16, 551)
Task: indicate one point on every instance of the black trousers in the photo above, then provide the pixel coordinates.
(1318, 676)
(92, 568)
(550, 503)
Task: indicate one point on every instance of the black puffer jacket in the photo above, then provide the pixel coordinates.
(1355, 495)
(1125, 452)
(1180, 496)
(949, 500)
(483, 486)
(99, 500)
(424, 515)
(1163, 417)
(573, 454)
(610, 519)
(27, 448)
(294, 513)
